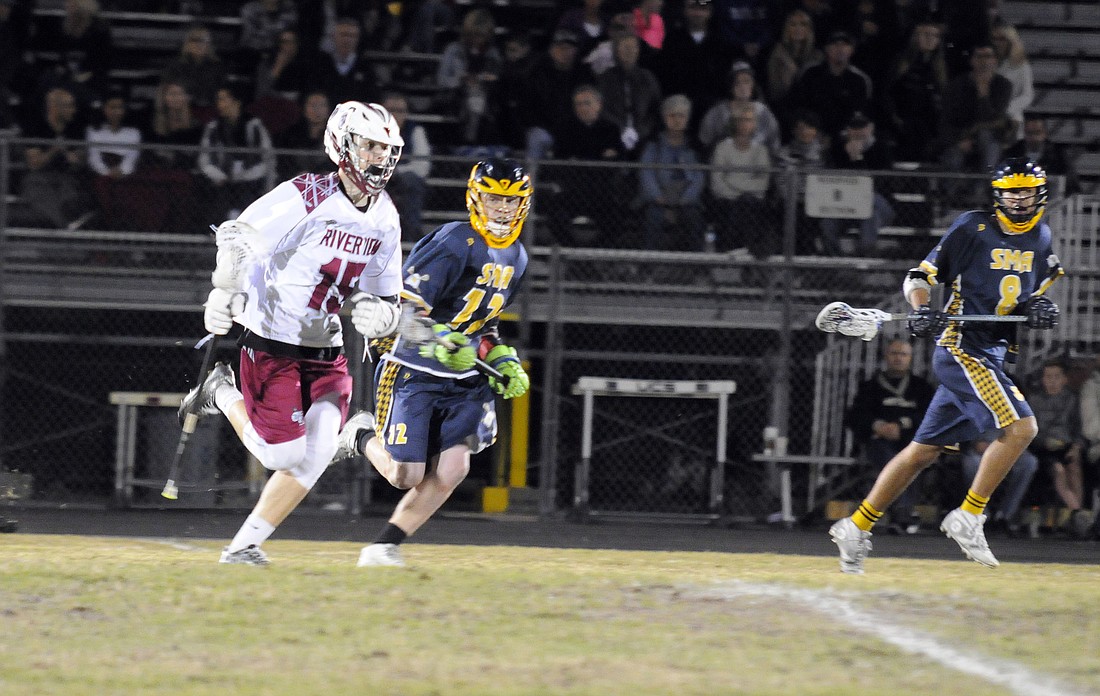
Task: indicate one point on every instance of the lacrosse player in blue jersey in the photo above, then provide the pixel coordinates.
(1000, 263)
(432, 408)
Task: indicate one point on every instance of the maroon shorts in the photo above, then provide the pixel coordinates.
(278, 391)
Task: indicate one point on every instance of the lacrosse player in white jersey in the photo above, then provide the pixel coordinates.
(324, 239)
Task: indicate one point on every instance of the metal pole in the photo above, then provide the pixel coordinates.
(548, 441)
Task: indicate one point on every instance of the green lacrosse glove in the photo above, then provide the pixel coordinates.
(460, 357)
(504, 358)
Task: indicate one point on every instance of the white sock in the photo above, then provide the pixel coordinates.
(226, 397)
(253, 532)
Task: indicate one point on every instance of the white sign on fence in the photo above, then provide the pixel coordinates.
(844, 197)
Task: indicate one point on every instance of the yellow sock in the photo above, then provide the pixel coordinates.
(974, 503)
(865, 516)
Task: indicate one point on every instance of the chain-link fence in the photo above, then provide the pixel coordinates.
(108, 301)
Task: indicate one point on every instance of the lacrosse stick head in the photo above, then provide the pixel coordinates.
(238, 246)
(839, 317)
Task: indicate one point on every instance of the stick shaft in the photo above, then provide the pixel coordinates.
(190, 423)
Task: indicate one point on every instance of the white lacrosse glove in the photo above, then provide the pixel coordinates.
(372, 316)
(221, 306)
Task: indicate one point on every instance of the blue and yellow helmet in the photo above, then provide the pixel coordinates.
(499, 177)
(1021, 213)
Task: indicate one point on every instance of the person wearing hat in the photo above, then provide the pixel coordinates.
(859, 148)
(834, 88)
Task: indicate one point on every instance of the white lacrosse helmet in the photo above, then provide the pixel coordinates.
(351, 127)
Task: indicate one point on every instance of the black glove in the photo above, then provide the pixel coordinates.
(925, 322)
(1041, 313)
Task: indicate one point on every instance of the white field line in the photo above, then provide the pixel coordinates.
(1017, 678)
(174, 543)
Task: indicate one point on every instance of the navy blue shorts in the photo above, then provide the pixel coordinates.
(419, 415)
(975, 396)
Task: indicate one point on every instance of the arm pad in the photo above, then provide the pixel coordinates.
(916, 279)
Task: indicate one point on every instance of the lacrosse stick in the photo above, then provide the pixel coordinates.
(238, 247)
(838, 317)
(417, 330)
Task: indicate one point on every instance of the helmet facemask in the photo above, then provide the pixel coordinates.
(1019, 196)
(368, 165)
(498, 196)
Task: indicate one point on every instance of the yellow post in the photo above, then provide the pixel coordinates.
(521, 416)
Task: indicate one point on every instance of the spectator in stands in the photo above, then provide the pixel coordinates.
(588, 23)
(672, 194)
(1012, 490)
(262, 23)
(113, 157)
(548, 99)
(1089, 399)
(112, 142)
(1053, 157)
(884, 416)
(648, 24)
(975, 121)
(468, 69)
(744, 23)
(620, 23)
(967, 25)
(859, 148)
(741, 90)
(909, 13)
(914, 99)
(835, 89)
(308, 136)
(234, 178)
(16, 83)
(1013, 65)
(198, 68)
(739, 187)
(174, 123)
(876, 36)
(426, 18)
(585, 192)
(631, 95)
(807, 149)
(794, 52)
(85, 49)
(286, 70)
(509, 92)
(344, 74)
(1059, 444)
(55, 188)
(687, 48)
(409, 181)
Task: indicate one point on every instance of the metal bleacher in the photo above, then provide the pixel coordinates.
(1060, 39)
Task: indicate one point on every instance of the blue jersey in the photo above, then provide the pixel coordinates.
(462, 282)
(988, 272)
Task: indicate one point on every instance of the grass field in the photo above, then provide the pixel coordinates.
(96, 615)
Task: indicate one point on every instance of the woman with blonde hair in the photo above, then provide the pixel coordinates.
(793, 52)
(1015, 67)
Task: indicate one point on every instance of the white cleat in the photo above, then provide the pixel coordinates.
(348, 441)
(380, 555)
(200, 400)
(967, 529)
(249, 555)
(854, 545)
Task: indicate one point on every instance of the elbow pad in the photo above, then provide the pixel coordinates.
(916, 279)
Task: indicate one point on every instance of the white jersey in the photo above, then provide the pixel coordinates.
(319, 250)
